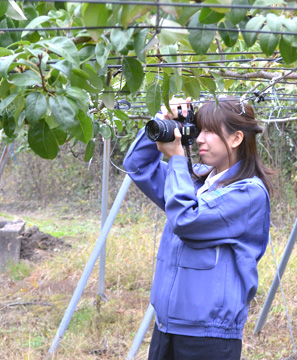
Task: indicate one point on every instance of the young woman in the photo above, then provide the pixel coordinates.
(216, 231)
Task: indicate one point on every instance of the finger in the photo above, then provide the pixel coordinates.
(184, 107)
(188, 100)
(159, 145)
(177, 134)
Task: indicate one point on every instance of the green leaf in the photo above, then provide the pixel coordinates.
(77, 94)
(7, 101)
(175, 82)
(35, 107)
(83, 129)
(5, 64)
(132, 12)
(62, 111)
(28, 78)
(219, 81)
(153, 98)
(171, 10)
(186, 14)
(288, 52)
(94, 78)
(35, 23)
(5, 52)
(3, 7)
(42, 141)
(60, 135)
(86, 53)
(120, 38)
(119, 125)
(229, 83)
(229, 37)
(95, 15)
(102, 52)
(5, 88)
(9, 124)
(191, 87)
(64, 47)
(139, 44)
(83, 84)
(105, 131)
(200, 39)
(237, 15)
(14, 11)
(170, 36)
(208, 83)
(208, 16)
(268, 42)
(274, 22)
(108, 97)
(64, 66)
(82, 74)
(290, 26)
(253, 24)
(120, 114)
(265, 3)
(133, 73)
(166, 90)
(89, 150)
(219, 2)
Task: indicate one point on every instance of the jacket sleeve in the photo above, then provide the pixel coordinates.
(215, 216)
(144, 166)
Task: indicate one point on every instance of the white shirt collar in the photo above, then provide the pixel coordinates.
(210, 180)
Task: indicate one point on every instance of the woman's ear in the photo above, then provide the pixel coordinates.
(237, 139)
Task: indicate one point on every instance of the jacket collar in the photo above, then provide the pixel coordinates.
(233, 170)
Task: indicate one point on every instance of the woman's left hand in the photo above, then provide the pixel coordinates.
(172, 148)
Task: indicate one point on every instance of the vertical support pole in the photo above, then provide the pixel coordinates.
(277, 278)
(90, 265)
(104, 210)
(141, 332)
(4, 157)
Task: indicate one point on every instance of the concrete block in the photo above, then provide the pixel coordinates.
(10, 243)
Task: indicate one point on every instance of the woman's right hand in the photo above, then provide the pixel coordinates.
(175, 103)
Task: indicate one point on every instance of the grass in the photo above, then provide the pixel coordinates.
(34, 296)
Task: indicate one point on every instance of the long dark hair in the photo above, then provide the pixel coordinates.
(232, 115)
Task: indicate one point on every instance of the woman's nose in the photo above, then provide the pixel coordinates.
(200, 138)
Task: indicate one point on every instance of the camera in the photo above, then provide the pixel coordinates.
(163, 130)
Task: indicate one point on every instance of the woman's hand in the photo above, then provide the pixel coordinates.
(175, 103)
(172, 148)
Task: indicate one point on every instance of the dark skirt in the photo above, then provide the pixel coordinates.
(179, 347)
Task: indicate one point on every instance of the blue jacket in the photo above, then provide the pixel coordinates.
(206, 270)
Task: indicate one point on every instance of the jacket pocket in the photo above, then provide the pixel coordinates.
(198, 290)
(203, 259)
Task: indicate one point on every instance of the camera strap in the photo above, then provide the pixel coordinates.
(188, 154)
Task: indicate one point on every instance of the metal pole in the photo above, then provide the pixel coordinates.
(90, 264)
(141, 332)
(4, 157)
(104, 210)
(277, 278)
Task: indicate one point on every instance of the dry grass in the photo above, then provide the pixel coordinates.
(34, 296)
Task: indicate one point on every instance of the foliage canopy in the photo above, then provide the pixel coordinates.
(66, 66)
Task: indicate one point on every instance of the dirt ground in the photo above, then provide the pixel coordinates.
(34, 243)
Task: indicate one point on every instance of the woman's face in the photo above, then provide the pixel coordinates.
(213, 151)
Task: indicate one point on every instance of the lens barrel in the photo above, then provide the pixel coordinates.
(161, 130)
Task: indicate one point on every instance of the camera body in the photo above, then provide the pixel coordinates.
(163, 130)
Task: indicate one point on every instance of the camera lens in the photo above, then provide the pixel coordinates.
(161, 130)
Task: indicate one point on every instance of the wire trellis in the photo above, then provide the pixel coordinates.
(175, 4)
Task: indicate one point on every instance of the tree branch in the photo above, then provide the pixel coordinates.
(279, 120)
(261, 74)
